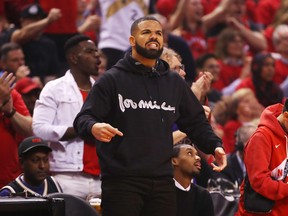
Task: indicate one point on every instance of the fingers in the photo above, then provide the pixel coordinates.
(105, 132)
(220, 158)
(7, 80)
(216, 168)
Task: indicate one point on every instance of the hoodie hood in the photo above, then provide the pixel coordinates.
(269, 119)
(129, 64)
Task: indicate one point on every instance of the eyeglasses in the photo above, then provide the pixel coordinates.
(178, 68)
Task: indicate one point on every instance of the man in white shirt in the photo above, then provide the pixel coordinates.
(74, 162)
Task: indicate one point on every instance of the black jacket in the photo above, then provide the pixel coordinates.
(143, 103)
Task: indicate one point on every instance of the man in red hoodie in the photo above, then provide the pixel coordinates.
(265, 158)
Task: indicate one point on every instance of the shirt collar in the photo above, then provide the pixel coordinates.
(179, 186)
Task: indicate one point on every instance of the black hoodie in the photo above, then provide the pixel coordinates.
(143, 103)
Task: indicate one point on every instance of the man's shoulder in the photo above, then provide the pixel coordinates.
(200, 190)
(61, 82)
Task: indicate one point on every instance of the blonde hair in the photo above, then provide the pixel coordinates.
(167, 55)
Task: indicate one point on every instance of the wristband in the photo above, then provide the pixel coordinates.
(11, 114)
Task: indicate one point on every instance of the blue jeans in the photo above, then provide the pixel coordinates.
(138, 196)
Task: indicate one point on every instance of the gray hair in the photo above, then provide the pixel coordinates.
(278, 32)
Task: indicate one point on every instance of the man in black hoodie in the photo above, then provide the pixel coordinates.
(130, 112)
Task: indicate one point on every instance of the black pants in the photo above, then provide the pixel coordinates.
(138, 197)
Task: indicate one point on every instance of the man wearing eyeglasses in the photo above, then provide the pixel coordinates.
(74, 162)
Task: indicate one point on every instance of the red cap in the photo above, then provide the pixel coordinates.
(25, 85)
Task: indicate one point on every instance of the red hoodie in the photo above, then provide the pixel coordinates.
(265, 157)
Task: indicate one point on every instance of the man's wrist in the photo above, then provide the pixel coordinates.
(10, 114)
(3, 104)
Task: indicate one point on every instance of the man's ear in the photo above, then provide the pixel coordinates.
(73, 58)
(174, 161)
(132, 40)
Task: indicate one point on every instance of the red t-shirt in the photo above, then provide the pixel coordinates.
(227, 75)
(266, 10)
(196, 42)
(67, 23)
(268, 33)
(246, 83)
(9, 142)
(281, 71)
(228, 138)
(90, 158)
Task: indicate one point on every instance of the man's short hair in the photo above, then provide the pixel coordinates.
(177, 147)
(6, 48)
(134, 25)
(74, 41)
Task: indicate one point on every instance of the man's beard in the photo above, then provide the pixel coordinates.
(150, 54)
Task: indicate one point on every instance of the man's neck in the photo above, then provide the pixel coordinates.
(145, 61)
(184, 181)
(82, 80)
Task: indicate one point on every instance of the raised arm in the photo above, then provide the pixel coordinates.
(32, 30)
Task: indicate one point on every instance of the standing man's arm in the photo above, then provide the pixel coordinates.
(194, 123)
(45, 112)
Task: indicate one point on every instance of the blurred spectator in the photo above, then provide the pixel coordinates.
(13, 60)
(234, 62)
(33, 155)
(11, 10)
(191, 27)
(266, 11)
(74, 162)
(208, 62)
(15, 122)
(191, 198)
(235, 16)
(235, 170)
(102, 67)
(174, 60)
(89, 18)
(64, 28)
(117, 17)
(40, 52)
(180, 46)
(280, 42)
(280, 18)
(261, 82)
(244, 108)
(30, 91)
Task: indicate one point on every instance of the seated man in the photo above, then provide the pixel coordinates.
(235, 170)
(191, 199)
(33, 156)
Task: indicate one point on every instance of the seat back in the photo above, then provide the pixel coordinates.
(75, 206)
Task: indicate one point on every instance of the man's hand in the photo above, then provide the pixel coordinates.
(104, 132)
(6, 86)
(220, 158)
(53, 15)
(22, 71)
